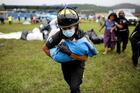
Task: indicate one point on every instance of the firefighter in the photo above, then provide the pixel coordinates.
(135, 43)
(122, 33)
(68, 22)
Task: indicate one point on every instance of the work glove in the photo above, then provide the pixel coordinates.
(93, 37)
(63, 48)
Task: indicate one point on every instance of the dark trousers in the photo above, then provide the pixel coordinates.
(2, 20)
(10, 22)
(135, 54)
(73, 74)
(135, 47)
(122, 37)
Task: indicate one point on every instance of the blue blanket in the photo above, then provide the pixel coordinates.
(80, 47)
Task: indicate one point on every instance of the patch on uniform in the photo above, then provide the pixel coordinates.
(138, 42)
(50, 40)
(132, 34)
(124, 21)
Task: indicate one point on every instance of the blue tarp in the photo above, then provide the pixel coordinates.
(80, 47)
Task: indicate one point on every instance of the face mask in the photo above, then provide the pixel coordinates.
(69, 32)
(121, 16)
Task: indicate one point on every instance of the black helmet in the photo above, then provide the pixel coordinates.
(121, 12)
(67, 17)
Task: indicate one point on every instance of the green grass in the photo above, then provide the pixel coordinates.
(24, 68)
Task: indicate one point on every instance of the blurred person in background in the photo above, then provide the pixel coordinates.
(2, 18)
(34, 19)
(10, 19)
(19, 18)
(135, 43)
(122, 33)
(109, 34)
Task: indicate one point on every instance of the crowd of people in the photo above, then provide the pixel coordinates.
(117, 33)
(9, 19)
(33, 19)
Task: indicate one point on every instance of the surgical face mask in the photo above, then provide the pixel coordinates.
(69, 32)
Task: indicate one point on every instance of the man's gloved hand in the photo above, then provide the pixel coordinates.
(63, 48)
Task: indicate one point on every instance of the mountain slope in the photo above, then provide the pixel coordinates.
(95, 8)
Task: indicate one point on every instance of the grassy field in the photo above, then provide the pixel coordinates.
(24, 68)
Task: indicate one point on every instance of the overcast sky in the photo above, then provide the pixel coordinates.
(53, 2)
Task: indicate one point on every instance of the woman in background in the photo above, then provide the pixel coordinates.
(109, 34)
